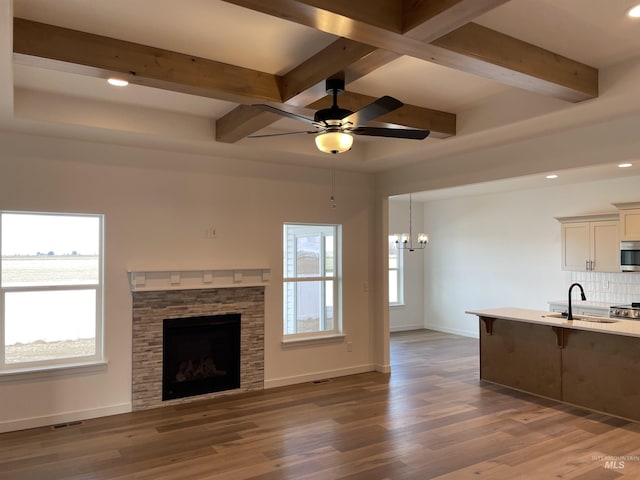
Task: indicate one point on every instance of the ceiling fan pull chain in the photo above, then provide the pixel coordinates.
(333, 188)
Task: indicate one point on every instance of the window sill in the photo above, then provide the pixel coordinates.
(48, 371)
(294, 342)
(397, 305)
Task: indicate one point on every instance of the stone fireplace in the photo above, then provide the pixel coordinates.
(161, 304)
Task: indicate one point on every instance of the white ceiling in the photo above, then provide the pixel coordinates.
(567, 177)
(593, 32)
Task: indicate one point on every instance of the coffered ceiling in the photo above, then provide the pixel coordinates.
(463, 68)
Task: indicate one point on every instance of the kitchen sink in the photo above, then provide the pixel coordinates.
(595, 319)
(583, 318)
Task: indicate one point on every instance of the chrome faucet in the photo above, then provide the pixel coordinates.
(570, 314)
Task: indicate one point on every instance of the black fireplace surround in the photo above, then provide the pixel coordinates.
(200, 355)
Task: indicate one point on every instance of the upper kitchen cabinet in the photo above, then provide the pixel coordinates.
(629, 221)
(590, 243)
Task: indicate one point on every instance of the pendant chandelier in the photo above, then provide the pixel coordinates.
(406, 239)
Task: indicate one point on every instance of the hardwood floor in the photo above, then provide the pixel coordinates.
(431, 418)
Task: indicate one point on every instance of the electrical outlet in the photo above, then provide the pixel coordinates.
(210, 232)
(605, 284)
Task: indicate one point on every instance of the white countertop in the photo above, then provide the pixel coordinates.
(629, 328)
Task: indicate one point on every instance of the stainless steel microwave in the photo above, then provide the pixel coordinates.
(630, 256)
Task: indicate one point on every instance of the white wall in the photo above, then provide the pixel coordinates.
(503, 249)
(157, 206)
(409, 316)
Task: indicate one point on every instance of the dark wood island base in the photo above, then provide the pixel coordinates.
(596, 370)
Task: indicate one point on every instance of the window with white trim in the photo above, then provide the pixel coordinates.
(311, 283)
(51, 289)
(396, 264)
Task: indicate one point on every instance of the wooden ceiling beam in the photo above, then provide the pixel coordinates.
(470, 48)
(423, 20)
(428, 20)
(376, 31)
(479, 50)
(441, 124)
(79, 52)
(243, 121)
(48, 46)
(324, 64)
(385, 14)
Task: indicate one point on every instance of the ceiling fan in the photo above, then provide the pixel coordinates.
(335, 126)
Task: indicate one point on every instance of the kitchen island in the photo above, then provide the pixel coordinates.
(589, 362)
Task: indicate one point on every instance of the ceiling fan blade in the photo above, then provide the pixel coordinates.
(284, 113)
(375, 109)
(278, 134)
(392, 132)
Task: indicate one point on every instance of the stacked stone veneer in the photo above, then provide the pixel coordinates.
(151, 308)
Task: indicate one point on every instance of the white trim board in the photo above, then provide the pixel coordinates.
(311, 377)
(454, 331)
(57, 418)
(405, 328)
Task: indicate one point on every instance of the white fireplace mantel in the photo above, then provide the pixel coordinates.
(154, 280)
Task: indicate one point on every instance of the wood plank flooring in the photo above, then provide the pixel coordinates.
(430, 419)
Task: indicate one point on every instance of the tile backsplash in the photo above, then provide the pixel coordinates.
(613, 288)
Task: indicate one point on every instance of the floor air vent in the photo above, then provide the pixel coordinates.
(66, 425)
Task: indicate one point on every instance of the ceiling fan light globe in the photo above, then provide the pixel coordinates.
(334, 142)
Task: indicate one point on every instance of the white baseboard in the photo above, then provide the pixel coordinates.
(405, 328)
(454, 331)
(311, 377)
(383, 368)
(55, 419)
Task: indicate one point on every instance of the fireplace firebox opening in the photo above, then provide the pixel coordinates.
(200, 355)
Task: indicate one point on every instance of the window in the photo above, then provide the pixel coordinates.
(311, 280)
(396, 261)
(50, 289)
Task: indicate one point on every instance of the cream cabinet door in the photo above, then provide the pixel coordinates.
(605, 246)
(591, 246)
(630, 224)
(576, 246)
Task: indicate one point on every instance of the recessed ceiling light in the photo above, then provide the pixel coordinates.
(552, 176)
(625, 165)
(118, 82)
(634, 12)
